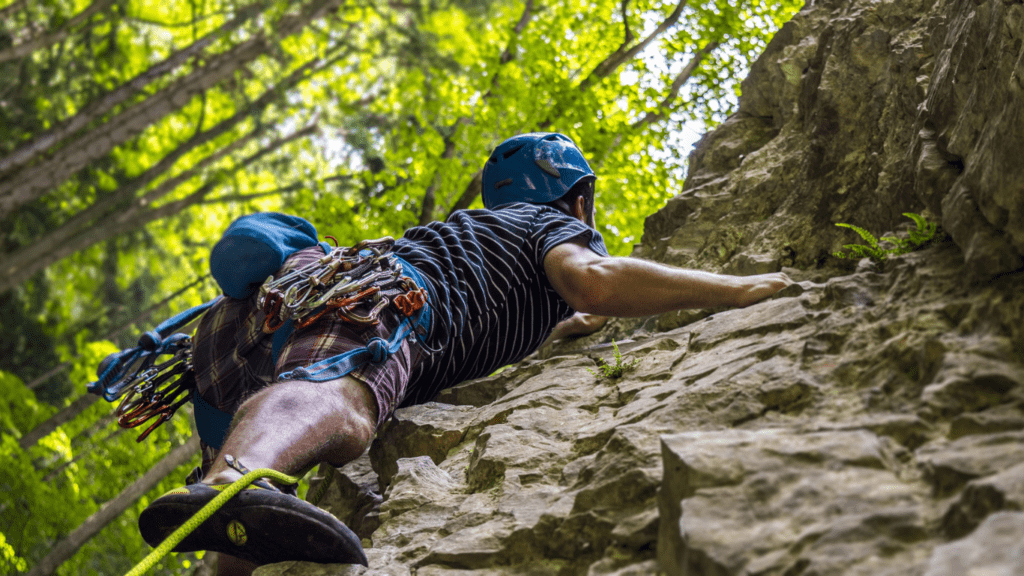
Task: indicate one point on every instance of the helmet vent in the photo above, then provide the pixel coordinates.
(504, 182)
(548, 167)
(511, 152)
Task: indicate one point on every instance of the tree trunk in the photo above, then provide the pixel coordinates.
(137, 216)
(66, 415)
(44, 40)
(67, 238)
(96, 109)
(67, 547)
(34, 182)
(470, 193)
(430, 196)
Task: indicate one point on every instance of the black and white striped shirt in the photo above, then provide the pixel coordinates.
(492, 302)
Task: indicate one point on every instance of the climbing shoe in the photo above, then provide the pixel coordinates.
(260, 524)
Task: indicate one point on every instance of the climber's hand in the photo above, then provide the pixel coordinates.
(579, 324)
(762, 286)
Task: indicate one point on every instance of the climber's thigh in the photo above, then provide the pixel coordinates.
(331, 336)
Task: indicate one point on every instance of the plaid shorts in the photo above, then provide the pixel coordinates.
(232, 358)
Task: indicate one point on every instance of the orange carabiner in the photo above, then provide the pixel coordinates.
(164, 416)
(272, 307)
(410, 302)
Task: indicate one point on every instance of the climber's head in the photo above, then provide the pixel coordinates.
(540, 168)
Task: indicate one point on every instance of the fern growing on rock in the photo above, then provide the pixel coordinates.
(919, 237)
(616, 371)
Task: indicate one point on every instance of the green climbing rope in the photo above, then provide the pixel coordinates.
(205, 512)
(329, 472)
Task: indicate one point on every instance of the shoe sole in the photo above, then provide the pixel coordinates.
(258, 525)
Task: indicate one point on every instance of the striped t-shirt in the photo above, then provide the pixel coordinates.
(492, 302)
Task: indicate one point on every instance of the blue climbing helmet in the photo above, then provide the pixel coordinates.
(538, 167)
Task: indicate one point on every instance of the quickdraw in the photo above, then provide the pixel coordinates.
(338, 283)
(153, 390)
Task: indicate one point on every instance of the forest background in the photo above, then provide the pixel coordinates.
(133, 132)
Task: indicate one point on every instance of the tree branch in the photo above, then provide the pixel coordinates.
(628, 36)
(506, 54)
(193, 22)
(472, 189)
(247, 197)
(624, 54)
(34, 182)
(29, 46)
(139, 213)
(275, 192)
(62, 242)
(429, 196)
(665, 106)
(470, 193)
(94, 110)
(8, 11)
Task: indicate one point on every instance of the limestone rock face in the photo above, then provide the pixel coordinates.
(858, 111)
(863, 421)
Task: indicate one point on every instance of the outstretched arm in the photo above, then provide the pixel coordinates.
(629, 287)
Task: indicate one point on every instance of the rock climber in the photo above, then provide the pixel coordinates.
(530, 268)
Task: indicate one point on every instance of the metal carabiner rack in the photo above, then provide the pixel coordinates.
(339, 282)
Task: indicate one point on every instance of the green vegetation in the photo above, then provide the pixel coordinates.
(51, 487)
(918, 238)
(616, 370)
(135, 131)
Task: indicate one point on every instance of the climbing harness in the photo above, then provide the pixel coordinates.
(388, 281)
(336, 283)
(249, 477)
(342, 280)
